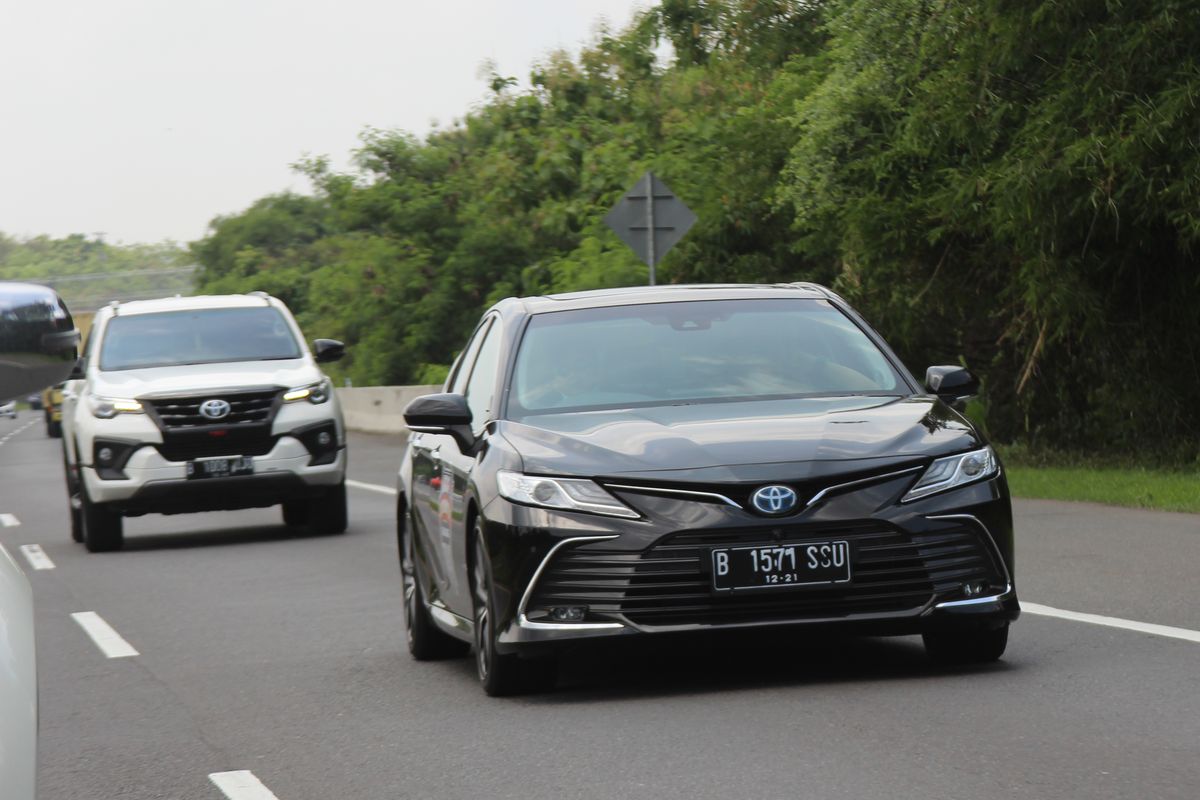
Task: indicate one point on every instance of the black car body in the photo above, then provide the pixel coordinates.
(717, 473)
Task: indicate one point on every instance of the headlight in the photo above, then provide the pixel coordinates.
(571, 494)
(315, 393)
(954, 471)
(109, 407)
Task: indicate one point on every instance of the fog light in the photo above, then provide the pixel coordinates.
(105, 455)
(568, 613)
(974, 588)
(324, 439)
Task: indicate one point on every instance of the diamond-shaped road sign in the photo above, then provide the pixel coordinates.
(650, 219)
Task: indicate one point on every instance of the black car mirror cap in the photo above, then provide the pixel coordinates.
(79, 370)
(326, 350)
(446, 413)
(951, 383)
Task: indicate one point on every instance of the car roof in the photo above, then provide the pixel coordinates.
(191, 303)
(637, 295)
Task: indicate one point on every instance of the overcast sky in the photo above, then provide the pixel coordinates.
(144, 119)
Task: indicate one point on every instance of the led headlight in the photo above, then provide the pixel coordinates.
(315, 393)
(109, 407)
(954, 471)
(570, 494)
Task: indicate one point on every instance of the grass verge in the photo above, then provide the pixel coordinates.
(1135, 487)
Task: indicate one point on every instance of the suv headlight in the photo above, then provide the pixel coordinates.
(954, 471)
(315, 393)
(109, 407)
(570, 494)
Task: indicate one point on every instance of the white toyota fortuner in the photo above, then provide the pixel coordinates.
(201, 404)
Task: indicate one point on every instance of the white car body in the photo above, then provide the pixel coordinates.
(155, 476)
(18, 684)
(9, 409)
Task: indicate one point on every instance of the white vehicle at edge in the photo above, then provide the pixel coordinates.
(18, 683)
(201, 404)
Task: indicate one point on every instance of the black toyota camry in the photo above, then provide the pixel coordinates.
(646, 461)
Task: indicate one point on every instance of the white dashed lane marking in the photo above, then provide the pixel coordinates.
(36, 557)
(241, 785)
(9, 521)
(107, 639)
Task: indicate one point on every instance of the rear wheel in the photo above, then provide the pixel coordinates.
(103, 528)
(967, 647)
(327, 515)
(500, 674)
(425, 641)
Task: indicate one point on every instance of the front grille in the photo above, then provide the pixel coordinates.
(245, 408)
(668, 584)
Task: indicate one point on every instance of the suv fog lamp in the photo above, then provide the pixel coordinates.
(568, 613)
(104, 455)
(324, 438)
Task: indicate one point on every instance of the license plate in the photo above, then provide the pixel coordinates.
(220, 467)
(780, 566)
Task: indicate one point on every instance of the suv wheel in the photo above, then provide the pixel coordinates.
(500, 674)
(103, 528)
(425, 641)
(966, 647)
(295, 513)
(74, 501)
(327, 514)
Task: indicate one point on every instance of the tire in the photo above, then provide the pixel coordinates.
(425, 641)
(74, 501)
(967, 647)
(296, 513)
(103, 528)
(53, 429)
(500, 674)
(327, 514)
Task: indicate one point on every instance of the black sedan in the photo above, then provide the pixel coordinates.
(654, 460)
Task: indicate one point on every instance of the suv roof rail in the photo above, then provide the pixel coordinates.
(260, 293)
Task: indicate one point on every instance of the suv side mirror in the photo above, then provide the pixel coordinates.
(446, 414)
(326, 350)
(79, 371)
(952, 384)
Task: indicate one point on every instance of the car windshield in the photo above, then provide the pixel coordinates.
(690, 352)
(201, 336)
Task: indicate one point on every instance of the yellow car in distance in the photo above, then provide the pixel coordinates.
(52, 409)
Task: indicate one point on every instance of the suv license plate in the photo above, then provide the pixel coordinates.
(220, 467)
(780, 566)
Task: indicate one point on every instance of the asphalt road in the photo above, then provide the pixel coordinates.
(263, 651)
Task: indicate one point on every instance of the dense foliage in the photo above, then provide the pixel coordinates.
(1010, 184)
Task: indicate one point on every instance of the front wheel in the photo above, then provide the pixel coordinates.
(500, 674)
(967, 647)
(74, 500)
(425, 641)
(327, 514)
(103, 528)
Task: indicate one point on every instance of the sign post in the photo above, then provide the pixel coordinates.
(650, 219)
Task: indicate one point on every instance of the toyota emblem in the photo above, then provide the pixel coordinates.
(774, 499)
(215, 408)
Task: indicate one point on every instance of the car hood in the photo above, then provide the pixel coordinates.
(188, 378)
(741, 440)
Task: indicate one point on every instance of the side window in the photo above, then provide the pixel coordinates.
(457, 382)
(481, 386)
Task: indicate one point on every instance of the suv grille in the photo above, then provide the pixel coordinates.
(184, 412)
(187, 435)
(667, 584)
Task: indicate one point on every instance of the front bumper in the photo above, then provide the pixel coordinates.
(940, 563)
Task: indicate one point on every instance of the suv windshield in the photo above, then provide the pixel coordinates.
(202, 336)
(706, 351)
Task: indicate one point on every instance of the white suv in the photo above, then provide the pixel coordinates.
(201, 404)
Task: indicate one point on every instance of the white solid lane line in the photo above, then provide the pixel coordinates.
(241, 785)
(371, 487)
(9, 521)
(107, 639)
(36, 557)
(1113, 622)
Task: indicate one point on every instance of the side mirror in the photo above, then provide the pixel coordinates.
(326, 350)
(952, 384)
(446, 414)
(79, 371)
(37, 339)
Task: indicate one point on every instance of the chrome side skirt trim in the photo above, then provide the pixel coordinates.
(449, 621)
(861, 482)
(686, 492)
(523, 622)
